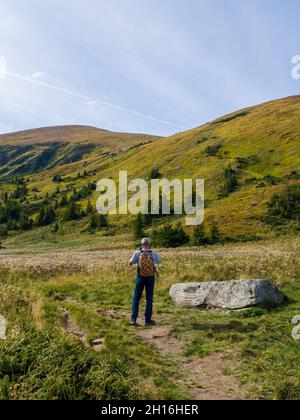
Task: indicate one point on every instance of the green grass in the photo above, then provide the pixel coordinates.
(39, 360)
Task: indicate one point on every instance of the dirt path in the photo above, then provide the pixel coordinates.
(210, 381)
(70, 327)
(161, 339)
(206, 378)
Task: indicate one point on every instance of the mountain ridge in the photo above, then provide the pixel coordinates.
(36, 150)
(65, 133)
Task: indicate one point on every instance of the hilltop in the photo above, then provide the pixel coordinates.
(40, 149)
(72, 134)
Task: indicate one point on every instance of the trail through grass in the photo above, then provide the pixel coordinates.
(44, 357)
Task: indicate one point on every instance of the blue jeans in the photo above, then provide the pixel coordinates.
(141, 284)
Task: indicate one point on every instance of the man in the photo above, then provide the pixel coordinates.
(145, 259)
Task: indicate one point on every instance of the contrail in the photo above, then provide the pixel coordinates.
(88, 99)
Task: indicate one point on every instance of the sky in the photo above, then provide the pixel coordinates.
(146, 66)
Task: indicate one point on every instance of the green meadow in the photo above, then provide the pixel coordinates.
(55, 314)
(66, 288)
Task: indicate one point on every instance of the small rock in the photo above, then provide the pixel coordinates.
(235, 294)
(99, 344)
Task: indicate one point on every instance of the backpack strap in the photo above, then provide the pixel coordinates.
(149, 251)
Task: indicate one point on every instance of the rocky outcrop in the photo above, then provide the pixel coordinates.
(236, 294)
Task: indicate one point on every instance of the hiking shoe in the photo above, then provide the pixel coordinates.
(134, 324)
(150, 324)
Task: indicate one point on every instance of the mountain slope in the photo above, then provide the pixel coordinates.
(40, 149)
(261, 145)
(245, 158)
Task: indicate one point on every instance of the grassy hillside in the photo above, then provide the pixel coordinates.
(257, 148)
(42, 149)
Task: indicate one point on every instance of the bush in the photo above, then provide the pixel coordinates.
(10, 212)
(3, 232)
(72, 212)
(25, 223)
(57, 179)
(271, 180)
(84, 192)
(286, 206)
(230, 182)
(169, 237)
(155, 174)
(213, 150)
(20, 192)
(64, 201)
(199, 237)
(89, 208)
(214, 234)
(46, 216)
(97, 221)
(138, 227)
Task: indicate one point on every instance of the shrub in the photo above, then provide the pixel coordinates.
(97, 221)
(57, 179)
(102, 220)
(25, 223)
(170, 237)
(3, 232)
(271, 180)
(20, 192)
(230, 182)
(72, 212)
(286, 206)
(89, 208)
(64, 201)
(138, 227)
(213, 150)
(46, 216)
(12, 210)
(155, 174)
(214, 234)
(199, 237)
(84, 192)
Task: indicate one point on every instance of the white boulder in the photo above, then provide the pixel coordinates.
(235, 294)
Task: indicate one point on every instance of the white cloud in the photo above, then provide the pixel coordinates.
(38, 75)
(2, 67)
(92, 103)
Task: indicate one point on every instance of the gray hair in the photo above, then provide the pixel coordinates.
(146, 241)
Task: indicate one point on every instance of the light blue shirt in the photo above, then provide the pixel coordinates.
(136, 256)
